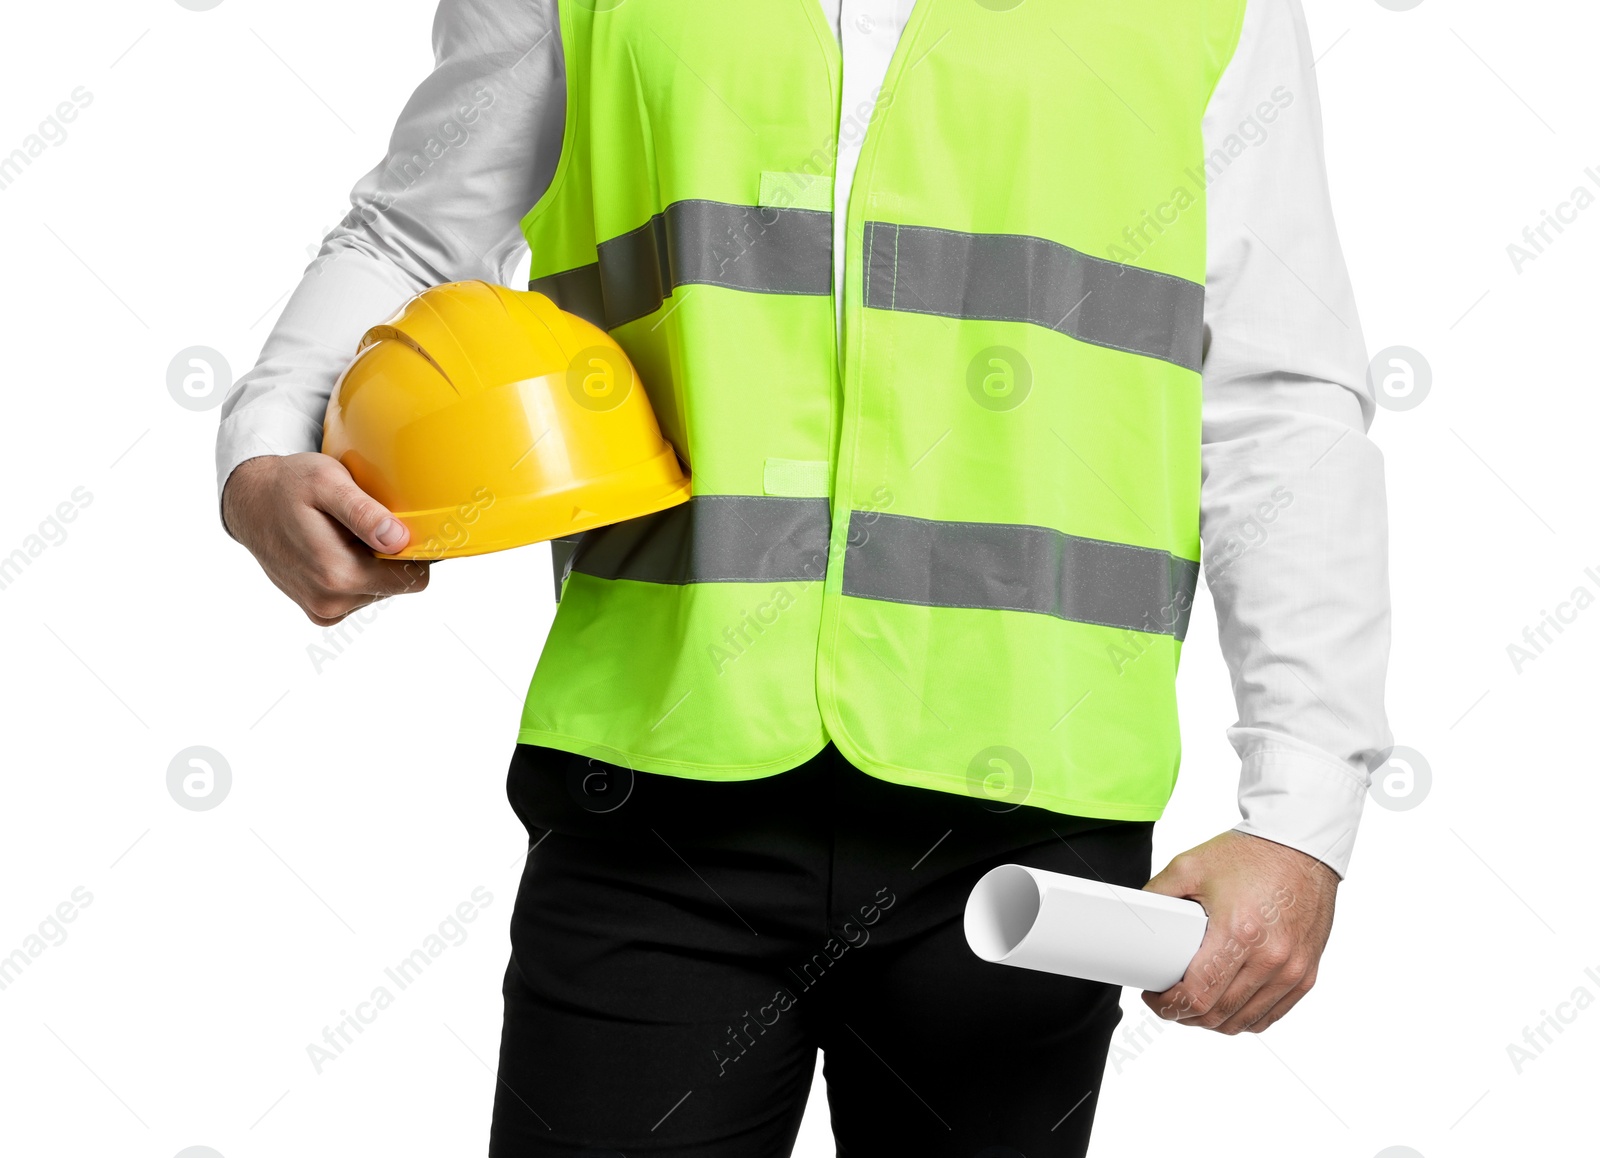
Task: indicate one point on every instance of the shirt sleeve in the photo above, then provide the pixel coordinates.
(1293, 512)
(474, 148)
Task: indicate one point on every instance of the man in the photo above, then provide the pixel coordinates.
(971, 318)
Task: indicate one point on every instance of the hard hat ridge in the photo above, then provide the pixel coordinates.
(485, 418)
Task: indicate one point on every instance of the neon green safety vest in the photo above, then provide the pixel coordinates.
(958, 538)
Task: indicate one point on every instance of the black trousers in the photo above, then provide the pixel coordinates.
(681, 949)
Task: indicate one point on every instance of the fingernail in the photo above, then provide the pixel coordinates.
(389, 534)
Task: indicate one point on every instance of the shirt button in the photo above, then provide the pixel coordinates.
(866, 23)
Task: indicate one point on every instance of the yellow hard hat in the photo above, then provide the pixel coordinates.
(487, 418)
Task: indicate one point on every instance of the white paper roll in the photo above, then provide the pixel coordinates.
(1055, 923)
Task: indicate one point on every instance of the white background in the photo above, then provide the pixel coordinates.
(368, 797)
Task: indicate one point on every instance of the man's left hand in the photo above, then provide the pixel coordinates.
(1270, 910)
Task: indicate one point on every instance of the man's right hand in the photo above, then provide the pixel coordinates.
(313, 531)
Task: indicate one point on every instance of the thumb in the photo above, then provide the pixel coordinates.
(367, 518)
(1178, 879)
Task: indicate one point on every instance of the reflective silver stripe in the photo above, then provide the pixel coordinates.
(713, 539)
(1013, 278)
(561, 552)
(1018, 568)
(577, 291)
(763, 250)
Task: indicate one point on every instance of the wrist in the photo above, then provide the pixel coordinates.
(236, 488)
(1305, 860)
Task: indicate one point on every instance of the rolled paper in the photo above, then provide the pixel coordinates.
(1035, 919)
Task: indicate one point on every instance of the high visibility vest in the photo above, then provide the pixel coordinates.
(959, 537)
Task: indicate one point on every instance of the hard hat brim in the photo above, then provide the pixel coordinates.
(487, 522)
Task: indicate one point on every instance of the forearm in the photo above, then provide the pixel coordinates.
(1296, 526)
(1293, 516)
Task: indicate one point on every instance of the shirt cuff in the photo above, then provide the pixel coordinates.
(1307, 801)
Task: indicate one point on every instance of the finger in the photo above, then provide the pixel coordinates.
(344, 578)
(1259, 1004)
(1210, 973)
(1255, 971)
(1256, 983)
(1237, 955)
(322, 607)
(334, 491)
(359, 579)
(331, 620)
(1270, 1004)
(326, 609)
(387, 577)
(1278, 1012)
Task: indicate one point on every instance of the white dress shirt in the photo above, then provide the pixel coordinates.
(1293, 517)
